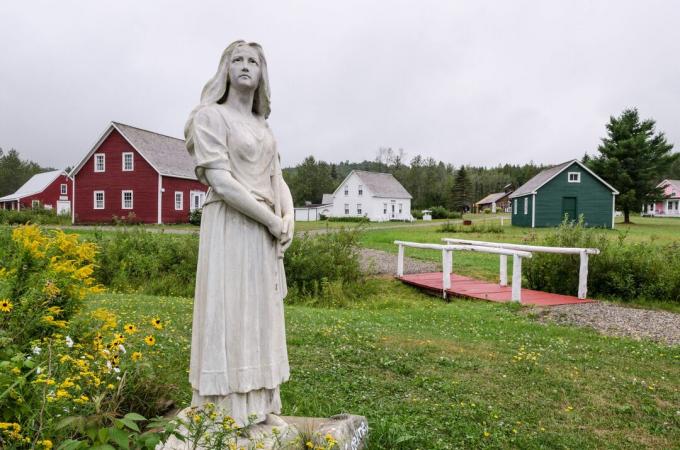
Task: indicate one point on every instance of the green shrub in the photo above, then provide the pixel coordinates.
(439, 212)
(474, 228)
(486, 211)
(348, 219)
(622, 270)
(455, 215)
(38, 216)
(195, 216)
(324, 268)
(417, 214)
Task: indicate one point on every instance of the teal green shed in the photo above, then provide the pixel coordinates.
(569, 189)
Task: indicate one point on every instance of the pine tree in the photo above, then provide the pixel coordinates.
(633, 158)
(461, 191)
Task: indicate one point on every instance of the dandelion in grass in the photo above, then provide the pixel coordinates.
(130, 328)
(150, 340)
(5, 305)
(156, 323)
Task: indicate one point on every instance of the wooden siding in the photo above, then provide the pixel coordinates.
(593, 199)
(172, 185)
(520, 219)
(50, 195)
(143, 181)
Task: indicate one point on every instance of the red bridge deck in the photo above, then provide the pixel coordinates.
(469, 287)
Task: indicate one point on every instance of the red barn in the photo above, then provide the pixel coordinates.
(134, 172)
(49, 190)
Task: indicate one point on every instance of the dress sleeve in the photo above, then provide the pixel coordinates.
(210, 142)
(276, 165)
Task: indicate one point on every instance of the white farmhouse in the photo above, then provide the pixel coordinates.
(377, 196)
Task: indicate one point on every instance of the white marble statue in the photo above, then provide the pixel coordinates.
(238, 343)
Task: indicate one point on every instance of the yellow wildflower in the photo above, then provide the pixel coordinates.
(62, 393)
(130, 328)
(309, 444)
(5, 305)
(46, 444)
(51, 290)
(150, 340)
(110, 386)
(16, 371)
(156, 323)
(136, 356)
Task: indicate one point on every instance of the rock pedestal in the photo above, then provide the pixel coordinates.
(349, 431)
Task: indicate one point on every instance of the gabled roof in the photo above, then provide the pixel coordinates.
(327, 199)
(674, 184)
(538, 181)
(35, 185)
(167, 155)
(378, 184)
(492, 198)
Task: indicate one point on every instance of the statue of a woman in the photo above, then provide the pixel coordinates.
(238, 343)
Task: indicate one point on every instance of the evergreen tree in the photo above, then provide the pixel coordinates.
(461, 191)
(633, 158)
(14, 171)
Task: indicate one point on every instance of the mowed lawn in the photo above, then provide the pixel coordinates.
(431, 375)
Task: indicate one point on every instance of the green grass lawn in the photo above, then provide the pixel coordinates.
(431, 375)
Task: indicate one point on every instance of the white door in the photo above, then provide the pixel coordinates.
(63, 207)
(197, 199)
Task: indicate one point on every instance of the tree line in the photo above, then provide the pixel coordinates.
(14, 171)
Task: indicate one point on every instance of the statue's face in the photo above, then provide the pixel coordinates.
(244, 69)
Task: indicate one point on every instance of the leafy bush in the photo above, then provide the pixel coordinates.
(483, 227)
(624, 271)
(455, 215)
(195, 216)
(130, 219)
(151, 263)
(487, 211)
(324, 268)
(417, 214)
(38, 216)
(348, 219)
(439, 212)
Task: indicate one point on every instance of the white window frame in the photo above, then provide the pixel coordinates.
(103, 159)
(179, 197)
(577, 179)
(132, 161)
(514, 207)
(122, 199)
(384, 208)
(400, 208)
(526, 205)
(63, 189)
(346, 190)
(347, 209)
(193, 195)
(35, 204)
(359, 208)
(94, 198)
(360, 190)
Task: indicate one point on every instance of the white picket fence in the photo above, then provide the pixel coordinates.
(447, 262)
(582, 252)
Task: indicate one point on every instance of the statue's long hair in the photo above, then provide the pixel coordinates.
(217, 89)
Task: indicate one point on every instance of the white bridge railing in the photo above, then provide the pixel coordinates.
(447, 262)
(582, 252)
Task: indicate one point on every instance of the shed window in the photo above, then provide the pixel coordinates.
(514, 207)
(99, 162)
(126, 199)
(574, 177)
(128, 162)
(63, 189)
(179, 201)
(347, 208)
(526, 205)
(98, 199)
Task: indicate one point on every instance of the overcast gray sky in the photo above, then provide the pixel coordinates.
(475, 82)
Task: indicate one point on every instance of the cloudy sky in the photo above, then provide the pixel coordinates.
(474, 82)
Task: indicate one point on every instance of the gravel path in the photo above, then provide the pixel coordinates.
(376, 262)
(614, 320)
(609, 319)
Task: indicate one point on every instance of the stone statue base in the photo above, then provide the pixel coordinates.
(292, 433)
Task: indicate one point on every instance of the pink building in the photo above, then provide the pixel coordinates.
(670, 205)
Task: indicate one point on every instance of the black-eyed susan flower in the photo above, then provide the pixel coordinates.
(136, 356)
(5, 305)
(130, 328)
(156, 323)
(150, 340)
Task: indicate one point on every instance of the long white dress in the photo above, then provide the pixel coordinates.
(238, 342)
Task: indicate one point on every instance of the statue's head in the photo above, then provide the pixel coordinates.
(242, 66)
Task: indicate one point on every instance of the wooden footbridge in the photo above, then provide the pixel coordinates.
(448, 284)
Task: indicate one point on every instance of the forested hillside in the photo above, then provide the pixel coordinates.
(14, 171)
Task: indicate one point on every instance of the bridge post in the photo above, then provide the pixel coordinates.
(447, 267)
(400, 261)
(583, 275)
(516, 278)
(504, 270)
